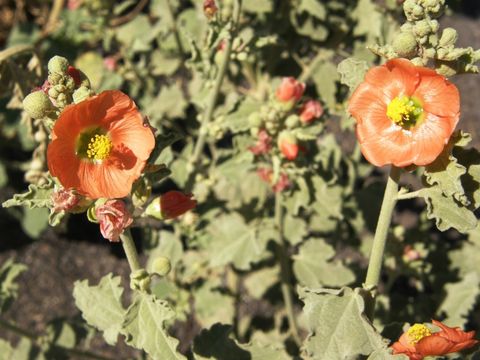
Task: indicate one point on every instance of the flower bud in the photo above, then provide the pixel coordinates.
(82, 93)
(113, 217)
(37, 104)
(422, 28)
(290, 90)
(288, 145)
(449, 37)
(292, 121)
(140, 280)
(310, 110)
(161, 266)
(405, 45)
(64, 199)
(209, 8)
(263, 145)
(58, 64)
(75, 75)
(170, 205)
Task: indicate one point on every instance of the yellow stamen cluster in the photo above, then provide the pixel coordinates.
(404, 111)
(417, 332)
(99, 147)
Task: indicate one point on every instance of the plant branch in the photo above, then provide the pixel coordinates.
(175, 29)
(285, 272)
(130, 250)
(53, 17)
(380, 239)
(126, 18)
(409, 195)
(207, 116)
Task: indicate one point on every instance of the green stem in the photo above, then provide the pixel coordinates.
(285, 275)
(175, 29)
(130, 250)
(207, 116)
(381, 232)
(409, 195)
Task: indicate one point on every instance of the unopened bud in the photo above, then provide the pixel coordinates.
(405, 45)
(161, 266)
(58, 64)
(82, 93)
(255, 120)
(449, 37)
(140, 280)
(37, 104)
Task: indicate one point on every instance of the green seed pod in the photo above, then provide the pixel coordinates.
(449, 37)
(242, 56)
(161, 266)
(82, 93)
(37, 104)
(405, 45)
(58, 64)
(292, 121)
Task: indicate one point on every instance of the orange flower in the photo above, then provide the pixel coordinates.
(170, 205)
(310, 110)
(418, 341)
(405, 114)
(290, 89)
(288, 146)
(100, 146)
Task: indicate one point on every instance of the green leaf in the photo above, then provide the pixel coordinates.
(470, 158)
(8, 286)
(386, 354)
(170, 103)
(6, 349)
(259, 281)
(329, 199)
(314, 266)
(101, 305)
(445, 171)
(144, 327)
(257, 6)
(212, 305)
(37, 196)
(35, 221)
(314, 8)
(352, 72)
(237, 119)
(294, 229)
(233, 241)
(3, 175)
(334, 316)
(170, 246)
(447, 212)
(369, 19)
(465, 259)
(325, 78)
(460, 300)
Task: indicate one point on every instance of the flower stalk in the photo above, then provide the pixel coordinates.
(130, 250)
(380, 239)
(285, 272)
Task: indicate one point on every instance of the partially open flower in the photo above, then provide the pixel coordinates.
(100, 146)
(418, 341)
(290, 89)
(114, 218)
(310, 110)
(405, 114)
(170, 205)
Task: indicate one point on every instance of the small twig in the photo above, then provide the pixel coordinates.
(176, 35)
(126, 18)
(409, 195)
(15, 50)
(53, 17)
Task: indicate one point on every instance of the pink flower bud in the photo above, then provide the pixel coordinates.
(64, 199)
(265, 174)
(288, 146)
(282, 183)
(209, 8)
(113, 217)
(110, 63)
(263, 145)
(290, 89)
(73, 4)
(310, 110)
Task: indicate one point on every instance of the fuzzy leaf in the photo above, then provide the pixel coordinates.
(37, 196)
(332, 317)
(8, 286)
(445, 171)
(145, 328)
(295, 229)
(313, 266)
(325, 78)
(385, 354)
(212, 305)
(352, 72)
(369, 19)
(101, 305)
(233, 241)
(460, 300)
(237, 119)
(447, 212)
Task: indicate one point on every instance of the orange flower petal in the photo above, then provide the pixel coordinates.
(434, 345)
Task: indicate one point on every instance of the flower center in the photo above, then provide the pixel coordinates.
(417, 332)
(405, 111)
(99, 147)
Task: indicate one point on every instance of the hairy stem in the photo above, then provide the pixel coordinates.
(409, 195)
(207, 116)
(130, 250)
(285, 272)
(381, 233)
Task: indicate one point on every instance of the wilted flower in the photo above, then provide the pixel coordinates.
(64, 199)
(263, 145)
(418, 341)
(267, 175)
(290, 89)
(100, 146)
(171, 205)
(113, 218)
(209, 8)
(310, 110)
(288, 146)
(405, 114)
